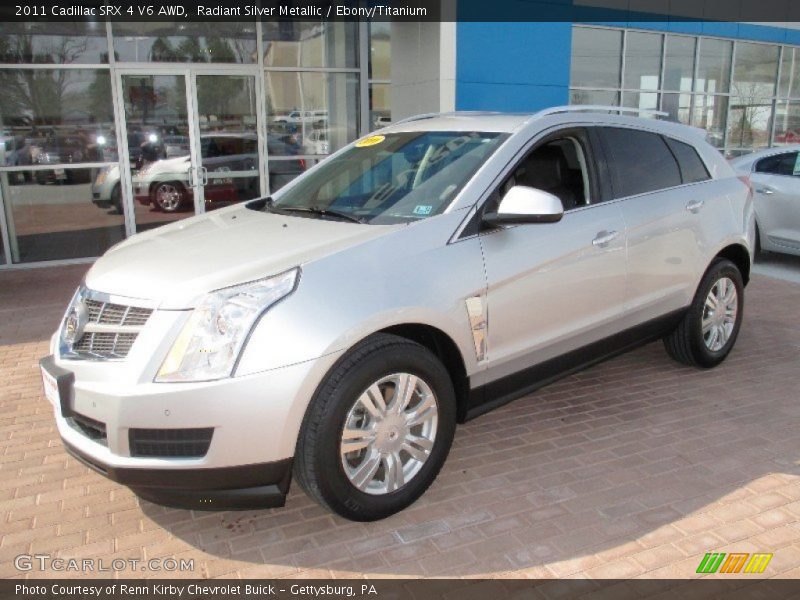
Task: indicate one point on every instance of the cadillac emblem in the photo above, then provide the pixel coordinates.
(76, 320)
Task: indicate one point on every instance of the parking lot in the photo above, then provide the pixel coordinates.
(636, 467)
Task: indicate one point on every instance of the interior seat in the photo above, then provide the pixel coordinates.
(547, 170)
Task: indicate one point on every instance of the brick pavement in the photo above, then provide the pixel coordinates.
(634, 468)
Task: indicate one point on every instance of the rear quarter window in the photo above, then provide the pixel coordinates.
(640, 162)
(692, 167)
(779, 164)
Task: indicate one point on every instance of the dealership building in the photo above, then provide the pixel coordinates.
(108, 129)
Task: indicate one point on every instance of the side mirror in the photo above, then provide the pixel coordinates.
(523, 204)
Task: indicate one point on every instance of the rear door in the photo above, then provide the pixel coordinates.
(665, 203)
(776, 184)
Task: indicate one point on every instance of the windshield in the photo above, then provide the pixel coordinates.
(391, 178)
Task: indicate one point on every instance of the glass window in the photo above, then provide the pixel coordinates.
(380, 61)
(789, 86)
(780, 164)
(679, 63)
(59, 115)
(713, 66)
(282, 170)
(641, 163)
(755, 71)
(54, 214)
(596, 97)
(303, 103)
(693, 169)
(397, 178)
(194, 42)
(310, 44)
(678, 106)
(709, 113)
(380, 113)
(787, 123)
(596, 57)
(749, 121)
(642, 61)
(641, 100)
(60, 43)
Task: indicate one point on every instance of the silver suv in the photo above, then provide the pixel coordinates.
(337, 331)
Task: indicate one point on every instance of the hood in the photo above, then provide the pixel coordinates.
(176, 264)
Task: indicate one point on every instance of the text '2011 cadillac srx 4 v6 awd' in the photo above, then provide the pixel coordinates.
(337, 331)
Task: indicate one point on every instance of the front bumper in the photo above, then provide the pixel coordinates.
(263, 485)
(247, 464)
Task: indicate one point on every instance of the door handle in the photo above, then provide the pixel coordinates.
(695, 206)
(604, 238)
(203, 176)
(190, 175)
(766, 191)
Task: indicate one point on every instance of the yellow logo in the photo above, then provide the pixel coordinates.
(372, 140)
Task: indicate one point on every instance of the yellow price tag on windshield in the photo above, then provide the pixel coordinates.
(372, 140)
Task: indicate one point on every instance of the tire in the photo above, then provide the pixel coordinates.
(116, 198)
(321, 468)
(688, 344)
(168, 196)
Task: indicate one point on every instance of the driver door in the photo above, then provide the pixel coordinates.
(553, 288)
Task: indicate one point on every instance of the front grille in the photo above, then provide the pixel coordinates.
(107, 313)
(110, 329)
(105, 345)
(170, 443)
(94, 430)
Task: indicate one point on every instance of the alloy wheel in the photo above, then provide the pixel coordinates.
(719, 314)
(389, 433)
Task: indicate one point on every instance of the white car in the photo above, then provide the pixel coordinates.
(774, 175)
(338, 330)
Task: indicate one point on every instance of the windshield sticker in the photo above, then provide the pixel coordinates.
(422, 209)
(372, 140)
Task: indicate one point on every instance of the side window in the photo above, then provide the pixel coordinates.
(639, 161)
(693, 169)
(560, 167)
(779, 164)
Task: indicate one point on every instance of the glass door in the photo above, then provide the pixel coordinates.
(158, 157)
(228, 138)
(192, 142)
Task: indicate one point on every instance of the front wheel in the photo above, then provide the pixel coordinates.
(378, 430)
(708, 331)
(169, 196)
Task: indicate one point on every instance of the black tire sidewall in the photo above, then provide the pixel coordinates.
(333, 482)
(704, 356)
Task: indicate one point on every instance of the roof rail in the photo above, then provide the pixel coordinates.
(451, 113)
(598, 108)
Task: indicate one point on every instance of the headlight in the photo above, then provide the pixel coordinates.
(209, 344)
(101, 177)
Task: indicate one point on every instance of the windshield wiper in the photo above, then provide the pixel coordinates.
(322, 212)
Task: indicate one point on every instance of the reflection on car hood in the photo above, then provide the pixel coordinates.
(178, 263)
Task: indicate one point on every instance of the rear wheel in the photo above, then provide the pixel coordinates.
(708, 331)
(378, 429)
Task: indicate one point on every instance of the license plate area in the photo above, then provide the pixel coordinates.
(59, 385)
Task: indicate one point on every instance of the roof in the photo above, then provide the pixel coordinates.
(513, 122)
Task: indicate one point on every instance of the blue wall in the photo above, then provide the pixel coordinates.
(524, 66)
(512, 66)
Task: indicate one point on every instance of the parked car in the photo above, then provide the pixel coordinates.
(165, 184)
(106, 190)
(64, 150)
(774, 175)
(337, 331)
